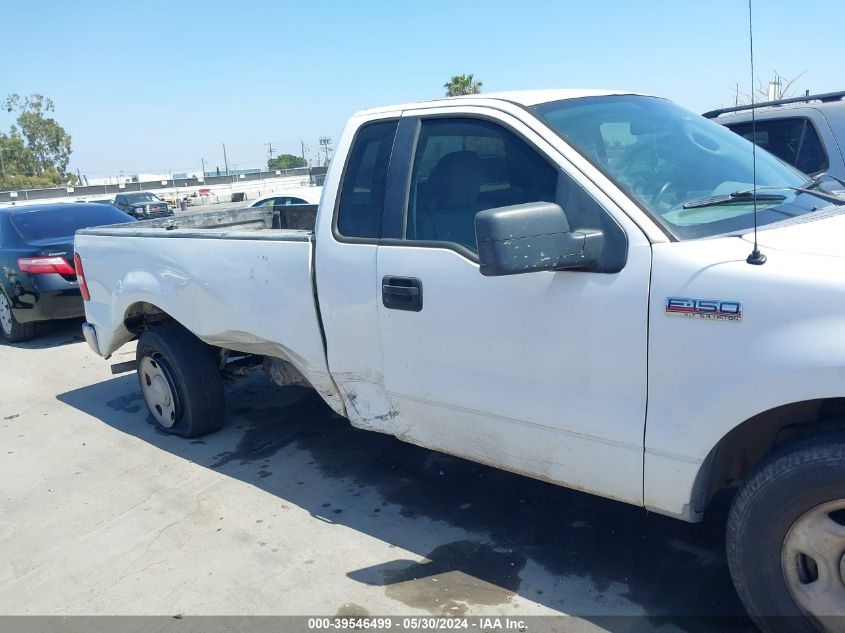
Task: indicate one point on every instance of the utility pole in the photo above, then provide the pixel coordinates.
(203, 168)
(225, 160)
(302, 143)
(269, 150)
(326, 142)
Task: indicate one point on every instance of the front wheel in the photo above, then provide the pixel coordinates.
(786, 539)
(180, 381)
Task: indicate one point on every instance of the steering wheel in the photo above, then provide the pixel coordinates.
(658, 197)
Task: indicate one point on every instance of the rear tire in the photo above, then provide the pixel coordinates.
(786, 539)
(10, 328)
(180, 381)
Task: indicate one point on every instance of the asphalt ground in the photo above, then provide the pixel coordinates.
(290, 511)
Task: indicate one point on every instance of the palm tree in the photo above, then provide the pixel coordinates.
(462, 85)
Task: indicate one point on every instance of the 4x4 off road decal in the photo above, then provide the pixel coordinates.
(713, 309)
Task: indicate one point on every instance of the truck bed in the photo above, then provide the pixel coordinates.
(294, 223)
(240, 279)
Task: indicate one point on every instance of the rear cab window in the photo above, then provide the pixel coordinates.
(361, 202)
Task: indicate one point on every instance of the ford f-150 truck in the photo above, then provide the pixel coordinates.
(557, 283)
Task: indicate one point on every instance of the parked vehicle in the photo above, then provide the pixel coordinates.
(807, 132)
(37, 278)
(554, 283)
(303, 195)
(143, 205)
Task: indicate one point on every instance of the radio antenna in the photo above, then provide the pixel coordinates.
(756, 257)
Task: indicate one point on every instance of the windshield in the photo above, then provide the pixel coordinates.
(142, 197)
(666, 157)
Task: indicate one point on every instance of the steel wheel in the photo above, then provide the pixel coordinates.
(5, 315)
(813, 559)
(159, 391)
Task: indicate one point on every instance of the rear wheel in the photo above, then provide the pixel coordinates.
(786, 539)
(180, 381)
(12, 330)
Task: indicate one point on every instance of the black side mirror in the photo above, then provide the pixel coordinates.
(526, 238)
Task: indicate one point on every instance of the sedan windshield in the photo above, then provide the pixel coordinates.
(676, 164)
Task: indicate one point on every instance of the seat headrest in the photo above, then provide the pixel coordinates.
(456, 179)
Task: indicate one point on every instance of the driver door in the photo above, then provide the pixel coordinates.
(543, 373)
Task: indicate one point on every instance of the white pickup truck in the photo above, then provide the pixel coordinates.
(556, 283)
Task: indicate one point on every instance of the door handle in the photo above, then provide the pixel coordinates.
(401, 293)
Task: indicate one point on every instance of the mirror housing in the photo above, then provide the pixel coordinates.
(526, 238)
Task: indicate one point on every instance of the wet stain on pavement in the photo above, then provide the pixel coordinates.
(350, 609)
(456, 576)
(130, 403)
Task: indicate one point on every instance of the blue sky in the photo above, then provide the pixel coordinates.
(156, 86)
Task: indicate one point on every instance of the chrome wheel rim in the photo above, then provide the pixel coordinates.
(5, 314)
(813, 562)
(158, 391)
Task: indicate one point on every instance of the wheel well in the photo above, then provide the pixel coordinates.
(745, 446)
(141, 316)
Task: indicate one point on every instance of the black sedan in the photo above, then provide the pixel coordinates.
(37, 278)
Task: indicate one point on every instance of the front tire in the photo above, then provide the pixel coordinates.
(180, 381)
(786, 539)
(10, 328)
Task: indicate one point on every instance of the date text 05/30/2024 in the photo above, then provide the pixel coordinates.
(421, 623)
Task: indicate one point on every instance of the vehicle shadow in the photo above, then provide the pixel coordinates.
(604, 561)
(50, 334)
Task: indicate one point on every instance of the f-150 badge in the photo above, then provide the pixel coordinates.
(713, 309)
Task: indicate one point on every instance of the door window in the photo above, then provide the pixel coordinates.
(361, 202)
(463, 166)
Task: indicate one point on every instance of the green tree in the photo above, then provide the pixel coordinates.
(462, 85)
(36, 151)
(286, 161)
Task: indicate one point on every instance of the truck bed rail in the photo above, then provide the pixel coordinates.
(294, 222)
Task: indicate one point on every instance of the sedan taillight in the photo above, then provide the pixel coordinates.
(44, 265)
(80, 277)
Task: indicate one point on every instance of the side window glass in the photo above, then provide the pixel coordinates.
(365, 181)
(463, 166)
(794, 141)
